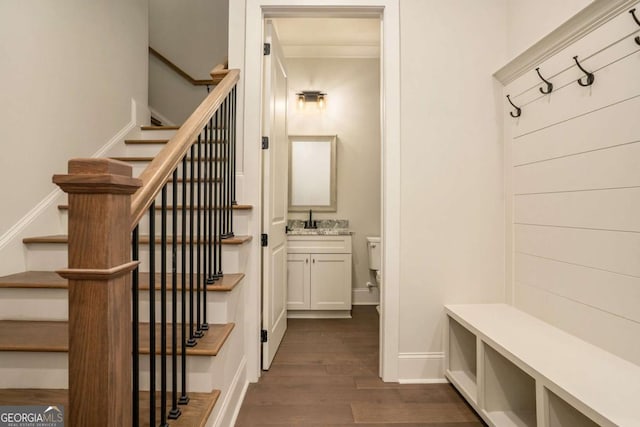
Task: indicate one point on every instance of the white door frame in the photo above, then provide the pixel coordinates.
(246, 21)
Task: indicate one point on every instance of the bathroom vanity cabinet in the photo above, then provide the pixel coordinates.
(319, 276)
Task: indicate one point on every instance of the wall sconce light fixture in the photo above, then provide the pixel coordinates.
(311, 96)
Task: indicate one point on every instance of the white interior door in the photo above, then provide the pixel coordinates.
(275, 204)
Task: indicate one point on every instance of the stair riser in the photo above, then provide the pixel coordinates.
(157, 134)
(52, 304)
(151, 150)
(205, 373)
(240, 221)
(49, 370)
(51, 257)
(33, 304)
(33, 370)
(139, 166)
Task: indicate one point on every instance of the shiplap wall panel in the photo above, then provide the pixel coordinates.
(617, 252)
(614, 167)
(613, 333)
(616, 210)
(574, 189)
(622, 27)
(617, 294)
(614, 83)
(582, 134)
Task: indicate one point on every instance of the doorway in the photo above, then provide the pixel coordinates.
(248, 35)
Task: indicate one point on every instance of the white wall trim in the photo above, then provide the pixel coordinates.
(421, 368)
(581, 24)
(161, 116)
(250, 120)
(45, 203)
(24, 222)
(234, 394)
(365, 296)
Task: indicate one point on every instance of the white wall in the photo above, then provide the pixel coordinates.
(353, 113)
(528, 21)
(193, 35)
(70, 69)
(452, 210)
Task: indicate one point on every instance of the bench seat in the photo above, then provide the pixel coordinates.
(517, 370)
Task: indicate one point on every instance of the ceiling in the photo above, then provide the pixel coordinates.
(329, 37)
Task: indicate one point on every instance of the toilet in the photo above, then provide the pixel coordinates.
(374, 251)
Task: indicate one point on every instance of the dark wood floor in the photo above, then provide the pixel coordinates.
(326, 374)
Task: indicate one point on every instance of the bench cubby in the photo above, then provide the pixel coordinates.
(509, 392)
(463, 360)
(516, 370)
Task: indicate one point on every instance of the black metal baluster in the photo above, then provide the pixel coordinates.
(214, 146)
(152, 315)
(191, 342)
(135, 324)
(174, 413)
(234, 200)
(198, 332)
(207, 219)
(218, 205)
(184, 398)
(229, 179)
(163, 308)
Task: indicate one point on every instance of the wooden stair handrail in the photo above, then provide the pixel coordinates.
(220, 71)
(163, 165)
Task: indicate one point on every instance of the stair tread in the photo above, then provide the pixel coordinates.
(34, 279)
(195, 414)
(170, 207)
(62, 238)
(51, 280)
(150, 158)
(160, 127)
(153, 141)
(53, 336)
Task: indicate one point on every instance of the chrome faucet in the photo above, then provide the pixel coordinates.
(311, 223)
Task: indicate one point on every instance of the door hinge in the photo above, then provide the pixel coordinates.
(264, 336)
(265, 142)
(265, 240)
(266, 50)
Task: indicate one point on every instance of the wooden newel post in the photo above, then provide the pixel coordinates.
(99, 291)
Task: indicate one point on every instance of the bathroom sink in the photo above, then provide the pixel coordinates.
(319, 232)
(325, 227)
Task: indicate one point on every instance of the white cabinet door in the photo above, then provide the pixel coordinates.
(298, 281)
(330, 282)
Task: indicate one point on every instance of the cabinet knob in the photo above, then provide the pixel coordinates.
(306, 261)
(314, 260)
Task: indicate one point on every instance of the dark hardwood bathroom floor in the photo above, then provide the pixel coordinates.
(326, 374)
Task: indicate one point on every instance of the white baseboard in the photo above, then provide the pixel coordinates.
(232, 403)
(365, 296)
(421, 368)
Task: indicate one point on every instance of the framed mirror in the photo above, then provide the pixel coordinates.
(312, 173)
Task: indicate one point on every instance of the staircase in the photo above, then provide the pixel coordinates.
(34, 314)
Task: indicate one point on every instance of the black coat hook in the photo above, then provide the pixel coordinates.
(590, 77)
(549, 84)
(518, 112)
(635, 18)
